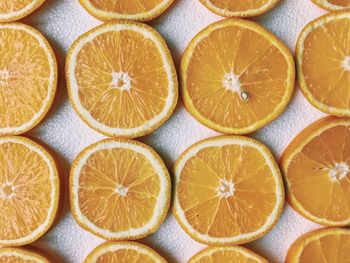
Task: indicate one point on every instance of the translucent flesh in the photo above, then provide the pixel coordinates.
(235, 6)
(226, 256)
(262, 70)
(345, 3)
(28, 173)
(99, 201)
(124, 51)
(24, 89)
(308, 175)
(331, 248)
(7, 6)
(14, 259)
(124, 256)
(325, 49)
(254, 196)
(126, 7)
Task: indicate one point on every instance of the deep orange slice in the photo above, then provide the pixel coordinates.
(11, 10)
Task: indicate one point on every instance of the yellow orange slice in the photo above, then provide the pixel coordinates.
(236, 76)
(22, 255)
(11, 10)
(323, 63)
(137, 10)
(110, 252)
(227, 255)
(239, 8)
(316, 167)
(119, 189)
(324, 245)
(28, 78)
(29, 191)
(332, 5)
(228, 190)
(121, 79)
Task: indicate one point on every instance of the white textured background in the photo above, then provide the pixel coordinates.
(61, 21)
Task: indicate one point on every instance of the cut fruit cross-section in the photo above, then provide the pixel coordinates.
(29, 191)
(332, 5)
(316, 167)
(228, 190)
(236, 77)
(11, 10)
(119, 189)
(28, 78)
(123, 252)
(121, 79)
(23, 255)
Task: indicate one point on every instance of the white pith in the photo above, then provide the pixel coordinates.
(121, 81)
(161, 201)
(298, 149)
(328, 5)
(4, 76)
(346, 63)
(54, 192)
(21, 12)
(339, 171)
(100, 251)
(3, 194)
(121, 190)
(23, 255)
(226, 189)
(114, 15)
(218, 142)
(51, 80)
(229, 13)
(74, 89)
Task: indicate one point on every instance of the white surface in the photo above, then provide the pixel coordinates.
(64, 20)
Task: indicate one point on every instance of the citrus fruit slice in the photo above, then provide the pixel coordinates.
(11, 10)
(28, 78)
(119, 189)
(236, 76)
(137, 10)
(332, 5)
(123, 252)
(239, 8)
(318, 161)
(324, 245)
(22, 255)
(29, 191)
(121, 79)
(227, 255)
(228, 190)
(323, 63)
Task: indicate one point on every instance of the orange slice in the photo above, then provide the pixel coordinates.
(236, 76)
(123, 252)
(239, 8)
(28, 78)
(316, 167)
(121, 79)
(332, 5)
(227, 255)
(11, 10)
(323, 63)
(325, 245)
(137, 10)
(22, 255)
(29, 191)
(228, 190)
(119, 189)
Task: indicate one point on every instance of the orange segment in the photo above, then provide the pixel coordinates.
(137, 10)
(332, 5)
(11, 10)
(324, 245)
(318, 162)
(123, 252)
(239, 8)
(29, 191)
(220, 185)
(28, 76)
(114, 179)
(227, 255)
(22, 255)
(236, 76)
(323, 63)
(115, 86)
